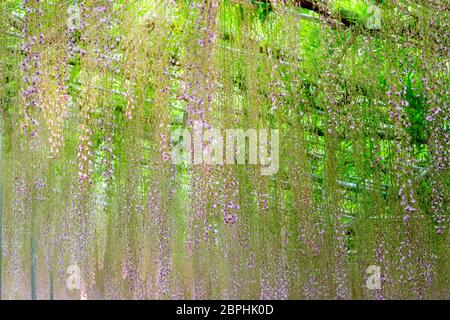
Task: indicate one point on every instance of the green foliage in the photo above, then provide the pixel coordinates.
(363, 177)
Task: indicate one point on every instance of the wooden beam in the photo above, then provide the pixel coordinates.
(327, 13)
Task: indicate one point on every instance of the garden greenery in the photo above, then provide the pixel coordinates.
(92, 90)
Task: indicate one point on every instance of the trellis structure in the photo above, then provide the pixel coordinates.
(347, 190)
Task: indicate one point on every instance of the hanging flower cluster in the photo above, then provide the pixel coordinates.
(31, 65)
